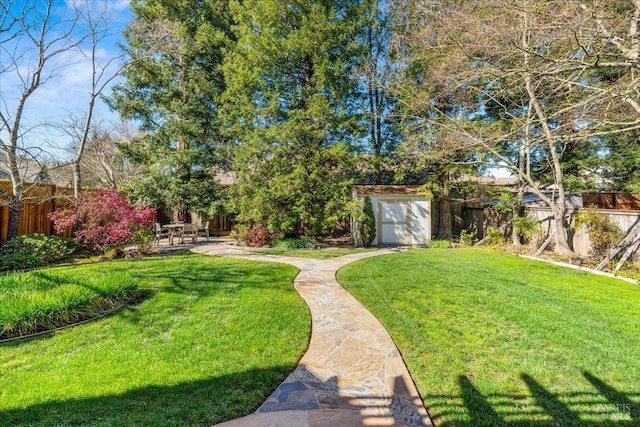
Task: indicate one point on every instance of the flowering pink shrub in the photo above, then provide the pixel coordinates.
(259, 236)
(105, 219)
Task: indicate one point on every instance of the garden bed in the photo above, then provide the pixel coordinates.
(320, 253)
(46, 299)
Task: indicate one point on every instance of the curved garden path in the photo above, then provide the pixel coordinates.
(352, 373)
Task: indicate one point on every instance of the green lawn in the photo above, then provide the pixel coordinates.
(496, 340)
(311, 253)
(41, 300)
(215, 337)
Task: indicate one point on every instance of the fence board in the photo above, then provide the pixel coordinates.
(579, 239)
(4, 223)
(219, 225)
(618, 201)
(38, 202)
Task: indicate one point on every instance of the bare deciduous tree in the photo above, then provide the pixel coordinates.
(33, 36)
(522, 81)
(103, 73)
(102, 159)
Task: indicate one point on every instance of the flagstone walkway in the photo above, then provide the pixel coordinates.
(352, 373)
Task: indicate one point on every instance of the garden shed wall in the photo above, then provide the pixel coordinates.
(402, 215)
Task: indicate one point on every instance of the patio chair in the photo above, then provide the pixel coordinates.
(189, 230)
(160, 233)
(203, 230)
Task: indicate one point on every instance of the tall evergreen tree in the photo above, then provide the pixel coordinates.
(173, 88)
(379, 105)
(290, 85)
(609, 163)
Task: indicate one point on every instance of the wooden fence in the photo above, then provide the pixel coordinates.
(615, 201)
(219, 225)
(42, 199)
(579, 238)
(39, 201)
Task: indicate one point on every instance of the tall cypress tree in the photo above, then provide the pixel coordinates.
(289, 107)
(173, 87)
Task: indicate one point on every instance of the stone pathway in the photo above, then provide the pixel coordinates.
(352, 373)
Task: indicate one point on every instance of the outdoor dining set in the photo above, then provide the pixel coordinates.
(181, 230)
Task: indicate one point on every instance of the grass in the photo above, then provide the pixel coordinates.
(213, 340)
(311, 253)
(496, 340)
(44, 299)
(293, 243)
(440, 244)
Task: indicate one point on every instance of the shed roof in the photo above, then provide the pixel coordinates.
(386, 190)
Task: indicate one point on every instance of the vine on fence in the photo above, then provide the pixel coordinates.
(603, 232)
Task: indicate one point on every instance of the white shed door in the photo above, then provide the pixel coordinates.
(395, 222)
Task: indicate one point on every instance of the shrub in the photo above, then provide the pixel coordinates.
(526, 227)
(104, 219)
(240, 233)
(440, 244)
(468, 238)
(259, 236)
(300, 243)
(34, 250)
(143, 238)
(368, 224)
(255, 235)
(603, 232)
(494, 237)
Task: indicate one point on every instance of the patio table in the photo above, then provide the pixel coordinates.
(174, 229)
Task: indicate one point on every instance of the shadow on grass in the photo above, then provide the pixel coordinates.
(197, 403)
(603, 407)
(212, 278)
(193, 275)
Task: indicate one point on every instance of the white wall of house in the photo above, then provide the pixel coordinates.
(401, 219)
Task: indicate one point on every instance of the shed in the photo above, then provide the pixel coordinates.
(402, 214)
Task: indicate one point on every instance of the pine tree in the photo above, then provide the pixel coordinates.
(289, 107)
(173, 87)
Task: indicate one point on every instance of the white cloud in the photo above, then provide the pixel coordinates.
(63, 93)
(101, 5)
(67, 91)
(118, 5)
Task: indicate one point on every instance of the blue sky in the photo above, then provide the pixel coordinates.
(66, 92)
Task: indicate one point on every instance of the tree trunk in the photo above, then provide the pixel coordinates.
(524, 169)
(515, 237)
(557, 205)
(445, 229)
(15, 207)
(77, 183)
(562, 242)
(15, 202)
